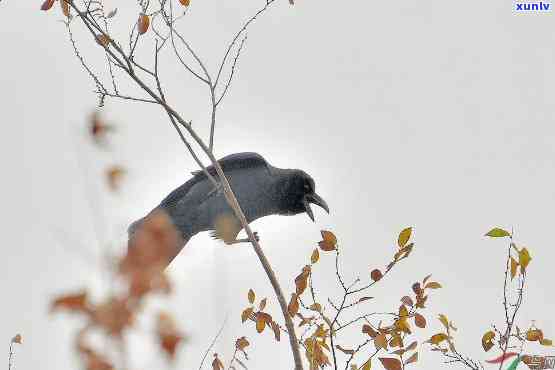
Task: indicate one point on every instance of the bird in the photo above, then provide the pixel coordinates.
(260, 188)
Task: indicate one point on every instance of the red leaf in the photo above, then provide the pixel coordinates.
(390, 363)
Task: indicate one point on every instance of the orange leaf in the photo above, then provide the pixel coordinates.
(533, 335)
(329, 241)
(514, 265)
(72, 302)
(390, 363)
(251, 296)
(438, 338)
(143, 23)
(169, 343)
(114, 175)
(380, 341)
(367, 329)
(487, 340)
(301, 281)
(47, 5)
(260, 324)
(185, 2)
(293, 306)
(65, 7)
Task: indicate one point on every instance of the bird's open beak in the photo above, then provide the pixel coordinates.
(316, 199)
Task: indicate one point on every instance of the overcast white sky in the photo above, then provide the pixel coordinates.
(434, 114)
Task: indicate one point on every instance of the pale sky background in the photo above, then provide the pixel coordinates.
(432, 114)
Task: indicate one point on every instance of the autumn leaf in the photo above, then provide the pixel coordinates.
(329, 241)
(301, 281)
(524, 259)
(390, 363)
(367, 329)
(438, 338)
(114, 315)
(251, 296)
(362, 299)
(262, 304)
(444, 321)
(17, 339)
(432, 285)
(367, 365)
(497, 233)
(533, 335)
(412, 358)
(376, 275)
(246, 314)
(487, 340)
(407, 301)
(419, 320)
(71, 302)
(241, 343)
(260, 324)
(315, 256)
(514, 265)
(65, 7)
(143, 23)
(216, 363)
(102, 40)
(275, 329)
(380, 341)
(411, 346)
(47, 5)
(404, 237)
(293, 306)
(114, 176)
(185, 2)
(546, 342)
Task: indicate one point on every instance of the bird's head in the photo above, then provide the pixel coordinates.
(300, 192)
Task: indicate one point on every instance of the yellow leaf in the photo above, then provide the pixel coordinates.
(315, 256)
(546, 342)
(242, 343)
(432, 285)
(497, 233)
(438, 338)
(444, 321)
(487, 340)
(251, 296)
(246, 314)
(524, 259)
(404, 237)
(514, 265)
(367, 365)
(316, 307)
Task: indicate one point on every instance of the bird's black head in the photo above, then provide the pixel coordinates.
(299, 192)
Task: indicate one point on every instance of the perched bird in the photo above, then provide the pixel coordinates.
(260, 188)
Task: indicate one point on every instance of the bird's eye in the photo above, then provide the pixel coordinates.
(307, 187)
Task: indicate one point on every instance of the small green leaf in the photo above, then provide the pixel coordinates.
(497, 233)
